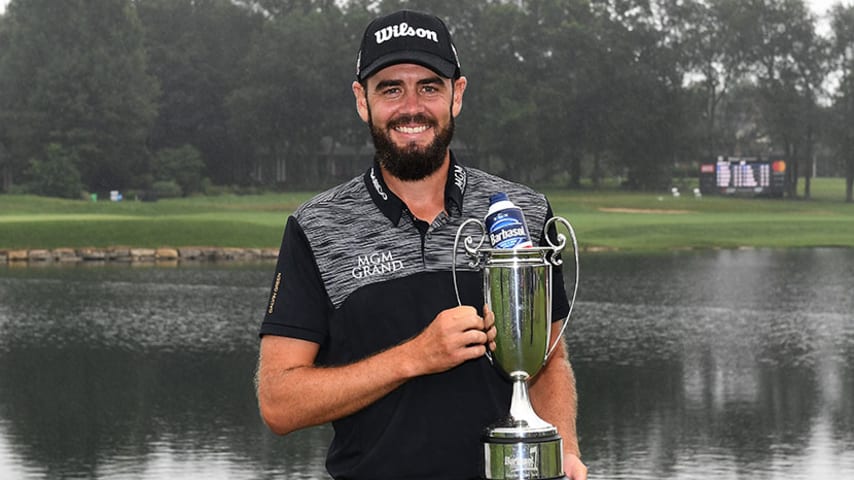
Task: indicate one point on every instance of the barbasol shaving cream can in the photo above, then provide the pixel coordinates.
(505, 224)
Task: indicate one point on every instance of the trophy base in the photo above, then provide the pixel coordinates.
(523, 459)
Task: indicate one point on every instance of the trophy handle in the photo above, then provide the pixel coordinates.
(555, 260)
(474, 258)
(471, 251)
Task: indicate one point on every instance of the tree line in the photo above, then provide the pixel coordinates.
(183, 96)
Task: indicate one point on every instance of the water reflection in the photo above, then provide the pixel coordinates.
(725, 365)
(731, 364)
(119, 372)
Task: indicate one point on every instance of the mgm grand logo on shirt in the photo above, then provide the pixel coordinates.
(376, 264)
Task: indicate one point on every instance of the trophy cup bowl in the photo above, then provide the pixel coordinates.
(517, 286)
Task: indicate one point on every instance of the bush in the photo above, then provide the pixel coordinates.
(208, 188)
(183, 166)
(56, 175)
(166, 189)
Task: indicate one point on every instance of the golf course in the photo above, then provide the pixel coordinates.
(607, 220)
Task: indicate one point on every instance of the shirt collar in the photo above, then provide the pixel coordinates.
(392, 206)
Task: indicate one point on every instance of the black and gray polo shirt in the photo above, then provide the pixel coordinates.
(358, 274)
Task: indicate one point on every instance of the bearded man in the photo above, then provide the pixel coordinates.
(363, 328)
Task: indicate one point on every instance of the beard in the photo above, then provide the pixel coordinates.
(411, 162)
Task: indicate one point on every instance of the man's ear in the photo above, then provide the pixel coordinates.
(361, 100)
(459, 89)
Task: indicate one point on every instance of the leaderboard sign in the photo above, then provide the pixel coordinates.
(743, 176)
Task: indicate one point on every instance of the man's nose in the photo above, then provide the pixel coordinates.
(412, 102)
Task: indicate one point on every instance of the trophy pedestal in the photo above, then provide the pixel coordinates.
(529, 459)
(522, 446)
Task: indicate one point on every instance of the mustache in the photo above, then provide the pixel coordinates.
(406, 119)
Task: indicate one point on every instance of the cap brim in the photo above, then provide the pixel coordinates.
(428, 60)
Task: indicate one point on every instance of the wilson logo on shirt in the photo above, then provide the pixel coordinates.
(375, 264)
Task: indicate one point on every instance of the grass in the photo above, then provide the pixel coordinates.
(608, 220)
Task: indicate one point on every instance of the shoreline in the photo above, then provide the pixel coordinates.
(173, 255)
(42, 256)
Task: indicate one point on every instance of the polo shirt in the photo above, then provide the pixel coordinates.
(357, 274)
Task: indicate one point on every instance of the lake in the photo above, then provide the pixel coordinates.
(690, 365)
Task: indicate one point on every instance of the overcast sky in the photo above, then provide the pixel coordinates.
(818, 6)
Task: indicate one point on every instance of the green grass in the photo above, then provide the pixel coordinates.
(603, 220)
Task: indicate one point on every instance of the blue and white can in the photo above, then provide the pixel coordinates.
(505, 224)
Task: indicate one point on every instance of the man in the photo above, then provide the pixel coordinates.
(363, 328)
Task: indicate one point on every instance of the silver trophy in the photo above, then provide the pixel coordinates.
(517, 285)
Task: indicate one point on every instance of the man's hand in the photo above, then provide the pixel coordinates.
(453, 337)
(574, 468)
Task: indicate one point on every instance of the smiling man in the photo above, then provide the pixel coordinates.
(362, 328)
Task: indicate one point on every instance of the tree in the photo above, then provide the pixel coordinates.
(710, 52)
(566, 83)
(790, 62)
(296, 93)
(8, 167)
(843, 107)
(558, 89)
(499, 105)
(74, 73)
(645, 107)
(54, 173)
(182, 165)
(193, 47)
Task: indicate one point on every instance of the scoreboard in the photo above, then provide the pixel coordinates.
(743, 176)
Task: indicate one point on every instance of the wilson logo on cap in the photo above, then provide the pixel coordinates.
(404, 30)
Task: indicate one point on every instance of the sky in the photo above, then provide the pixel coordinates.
(818, 6)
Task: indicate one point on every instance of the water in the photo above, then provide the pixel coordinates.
(120, 372)
(726, 365)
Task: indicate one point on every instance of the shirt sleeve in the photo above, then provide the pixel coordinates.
(560, 302)
(298, 305)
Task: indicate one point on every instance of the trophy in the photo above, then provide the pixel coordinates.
(517, 286)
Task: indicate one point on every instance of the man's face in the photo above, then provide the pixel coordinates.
(410, 110)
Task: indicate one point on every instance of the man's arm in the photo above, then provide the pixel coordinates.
(553, 396)
(293, 393)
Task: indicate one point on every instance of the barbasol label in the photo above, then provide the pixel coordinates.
(506, 229)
